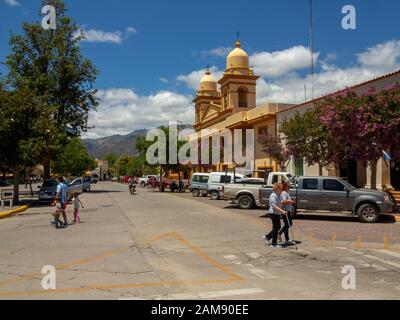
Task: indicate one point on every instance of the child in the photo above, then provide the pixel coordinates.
(76, 201)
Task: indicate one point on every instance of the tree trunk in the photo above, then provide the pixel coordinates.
(16, 185)
(374, 165)
(320, 169)
(179, 180)
(46, 167)
(161, 179)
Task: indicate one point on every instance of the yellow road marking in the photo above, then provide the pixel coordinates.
(232, 276)
(66, 266)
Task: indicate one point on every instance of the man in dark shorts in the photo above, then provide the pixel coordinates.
(61, 203)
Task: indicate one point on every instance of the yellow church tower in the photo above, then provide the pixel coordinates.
(237, 91)
(238, 83)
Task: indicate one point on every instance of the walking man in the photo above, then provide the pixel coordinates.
(61, 202)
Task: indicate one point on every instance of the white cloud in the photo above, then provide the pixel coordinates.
(374, 62)
(93, 35)
(121, 111)
(382, 56)
(218, 52)
(192, 80)
(278, 63)
(12, 3)
(164, 80)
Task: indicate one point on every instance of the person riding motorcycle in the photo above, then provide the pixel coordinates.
(132, 185)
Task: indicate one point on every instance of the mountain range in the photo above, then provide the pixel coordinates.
(117, 144)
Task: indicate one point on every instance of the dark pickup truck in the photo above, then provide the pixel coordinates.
(335, 194)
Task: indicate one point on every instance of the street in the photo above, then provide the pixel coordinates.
(173, 246)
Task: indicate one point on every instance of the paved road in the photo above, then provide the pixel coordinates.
(170, 246)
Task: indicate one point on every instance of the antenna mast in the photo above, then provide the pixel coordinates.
(312, 48)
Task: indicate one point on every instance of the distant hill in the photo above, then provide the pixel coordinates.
(117, 144)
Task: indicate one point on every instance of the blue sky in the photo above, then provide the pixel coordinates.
(151, 53)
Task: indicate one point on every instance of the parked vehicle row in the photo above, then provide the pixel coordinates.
(48, 189)
(330, 194)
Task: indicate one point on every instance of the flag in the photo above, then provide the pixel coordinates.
(386, 156)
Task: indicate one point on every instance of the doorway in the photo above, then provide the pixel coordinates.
(348, 171)
(395, 174)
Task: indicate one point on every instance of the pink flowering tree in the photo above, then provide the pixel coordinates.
(365, 124)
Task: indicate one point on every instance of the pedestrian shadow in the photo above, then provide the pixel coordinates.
(104, 191)
(384, 219)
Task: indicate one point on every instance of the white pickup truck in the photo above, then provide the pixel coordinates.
(246, 192)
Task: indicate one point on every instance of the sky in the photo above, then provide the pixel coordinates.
(152, 54)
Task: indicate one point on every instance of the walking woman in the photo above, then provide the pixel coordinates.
(275, 212)
(287, 203)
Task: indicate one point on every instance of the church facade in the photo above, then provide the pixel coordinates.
(231, 103)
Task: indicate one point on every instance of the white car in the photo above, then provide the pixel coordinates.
(218, 180)
(143, 181)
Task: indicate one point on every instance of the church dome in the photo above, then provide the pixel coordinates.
(238, 58)
(208, 83)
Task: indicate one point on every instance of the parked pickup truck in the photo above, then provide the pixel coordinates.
(332, 194)
(246, 192)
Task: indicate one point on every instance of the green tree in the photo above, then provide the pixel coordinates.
(122, 164)
(366, 123)
(74, 160)
(142, 145)
(112, 159)
(49, 64)
(273, 147)
(21, 132)
(306, 137)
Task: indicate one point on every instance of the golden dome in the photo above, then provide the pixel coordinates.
(238, 58)
(208, 83)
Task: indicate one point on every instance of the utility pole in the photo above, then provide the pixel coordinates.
(312, 49)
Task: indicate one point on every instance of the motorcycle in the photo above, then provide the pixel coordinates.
(132, 188)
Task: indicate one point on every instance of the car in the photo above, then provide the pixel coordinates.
(246, 192)
(143, 181)
(126, 179)
(217, 180)
(86, 184)
(155, 183)
(198, 184)
(333, 194)
(76, 186)
(95, 178)
(48, 189)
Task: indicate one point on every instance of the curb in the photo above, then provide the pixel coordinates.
(9, 213)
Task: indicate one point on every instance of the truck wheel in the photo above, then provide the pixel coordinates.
(196, 193)
(214, 195)
(368, 213)
(143, 184)
(245, 202)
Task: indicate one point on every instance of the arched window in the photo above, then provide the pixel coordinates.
(226, 102)
(242, 92)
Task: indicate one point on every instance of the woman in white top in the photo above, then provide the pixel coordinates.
(287, 203)
(275, 212)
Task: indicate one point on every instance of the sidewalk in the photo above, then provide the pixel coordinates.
(26, 200)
